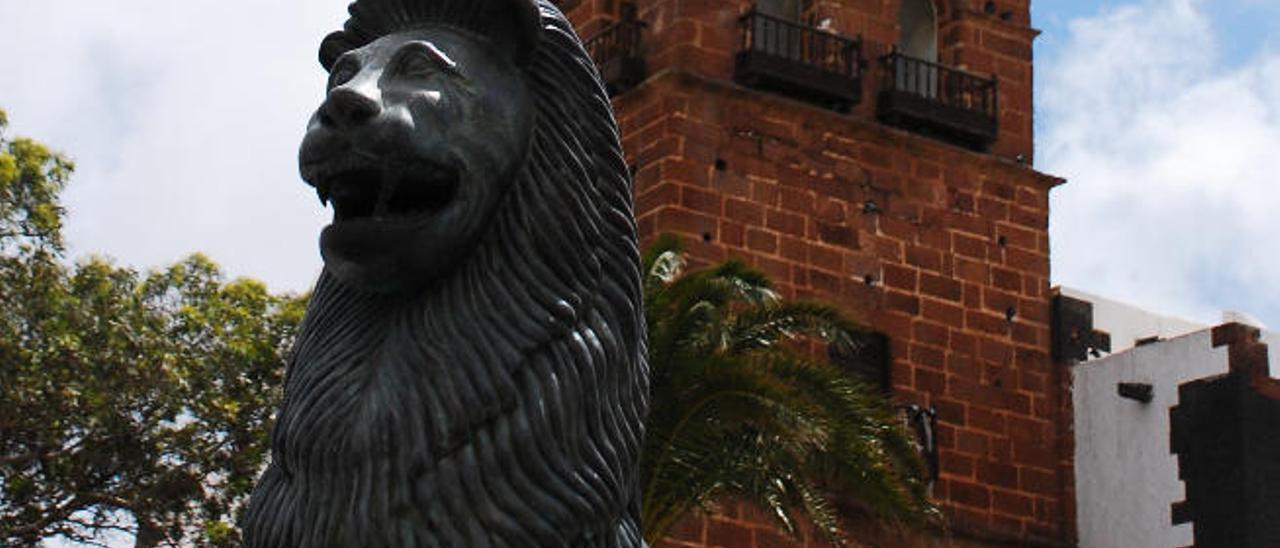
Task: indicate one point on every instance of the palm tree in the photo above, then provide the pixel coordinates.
(739, 410)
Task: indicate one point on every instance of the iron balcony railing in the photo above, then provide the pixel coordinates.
(934, 98)
(616, 52)
(799, 60)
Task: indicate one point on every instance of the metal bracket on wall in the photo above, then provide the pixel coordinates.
(924, 422)
(1138, 391)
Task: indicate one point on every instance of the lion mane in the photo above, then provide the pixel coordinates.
(503, 405)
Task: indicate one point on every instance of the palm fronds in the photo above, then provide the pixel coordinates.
(737, 412)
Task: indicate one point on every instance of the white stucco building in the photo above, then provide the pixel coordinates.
(1126, 476)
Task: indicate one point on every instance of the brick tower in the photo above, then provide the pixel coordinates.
(875, 154)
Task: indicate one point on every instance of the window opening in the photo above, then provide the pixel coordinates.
(919, 40)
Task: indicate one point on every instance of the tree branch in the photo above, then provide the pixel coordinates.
(35, 455)
(62, 513)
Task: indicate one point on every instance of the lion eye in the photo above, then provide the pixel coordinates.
(342, 73)
(417, 65)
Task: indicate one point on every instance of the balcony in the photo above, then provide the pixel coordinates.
(937, 100)
(801, 61)
(616, 52)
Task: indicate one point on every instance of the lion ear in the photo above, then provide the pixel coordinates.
(528, 26)
(516, 24)
(332, 47)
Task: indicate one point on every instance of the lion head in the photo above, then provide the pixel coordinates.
(471, 368)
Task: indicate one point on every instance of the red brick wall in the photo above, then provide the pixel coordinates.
(701, 36)
(943, 249)
(738, 526)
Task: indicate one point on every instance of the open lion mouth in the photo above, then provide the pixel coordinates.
(388, 193)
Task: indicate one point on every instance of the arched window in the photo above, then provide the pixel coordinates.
(918, 42)
(778, 33)
(782, 9)
(919, 23)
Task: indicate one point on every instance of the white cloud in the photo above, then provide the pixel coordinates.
(183, 118)
(1171, 157)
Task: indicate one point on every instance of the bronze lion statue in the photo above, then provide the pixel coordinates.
(471, 368)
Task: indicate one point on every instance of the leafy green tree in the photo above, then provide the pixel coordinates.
(31, 177)
(739, 410)
(140, 402)
(128, 401)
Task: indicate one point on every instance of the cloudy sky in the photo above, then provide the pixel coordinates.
(1165, 117)
(183, 118)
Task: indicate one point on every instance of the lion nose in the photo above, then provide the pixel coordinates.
(347, 107)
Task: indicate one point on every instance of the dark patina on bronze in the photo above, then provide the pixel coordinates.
(471, 370)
